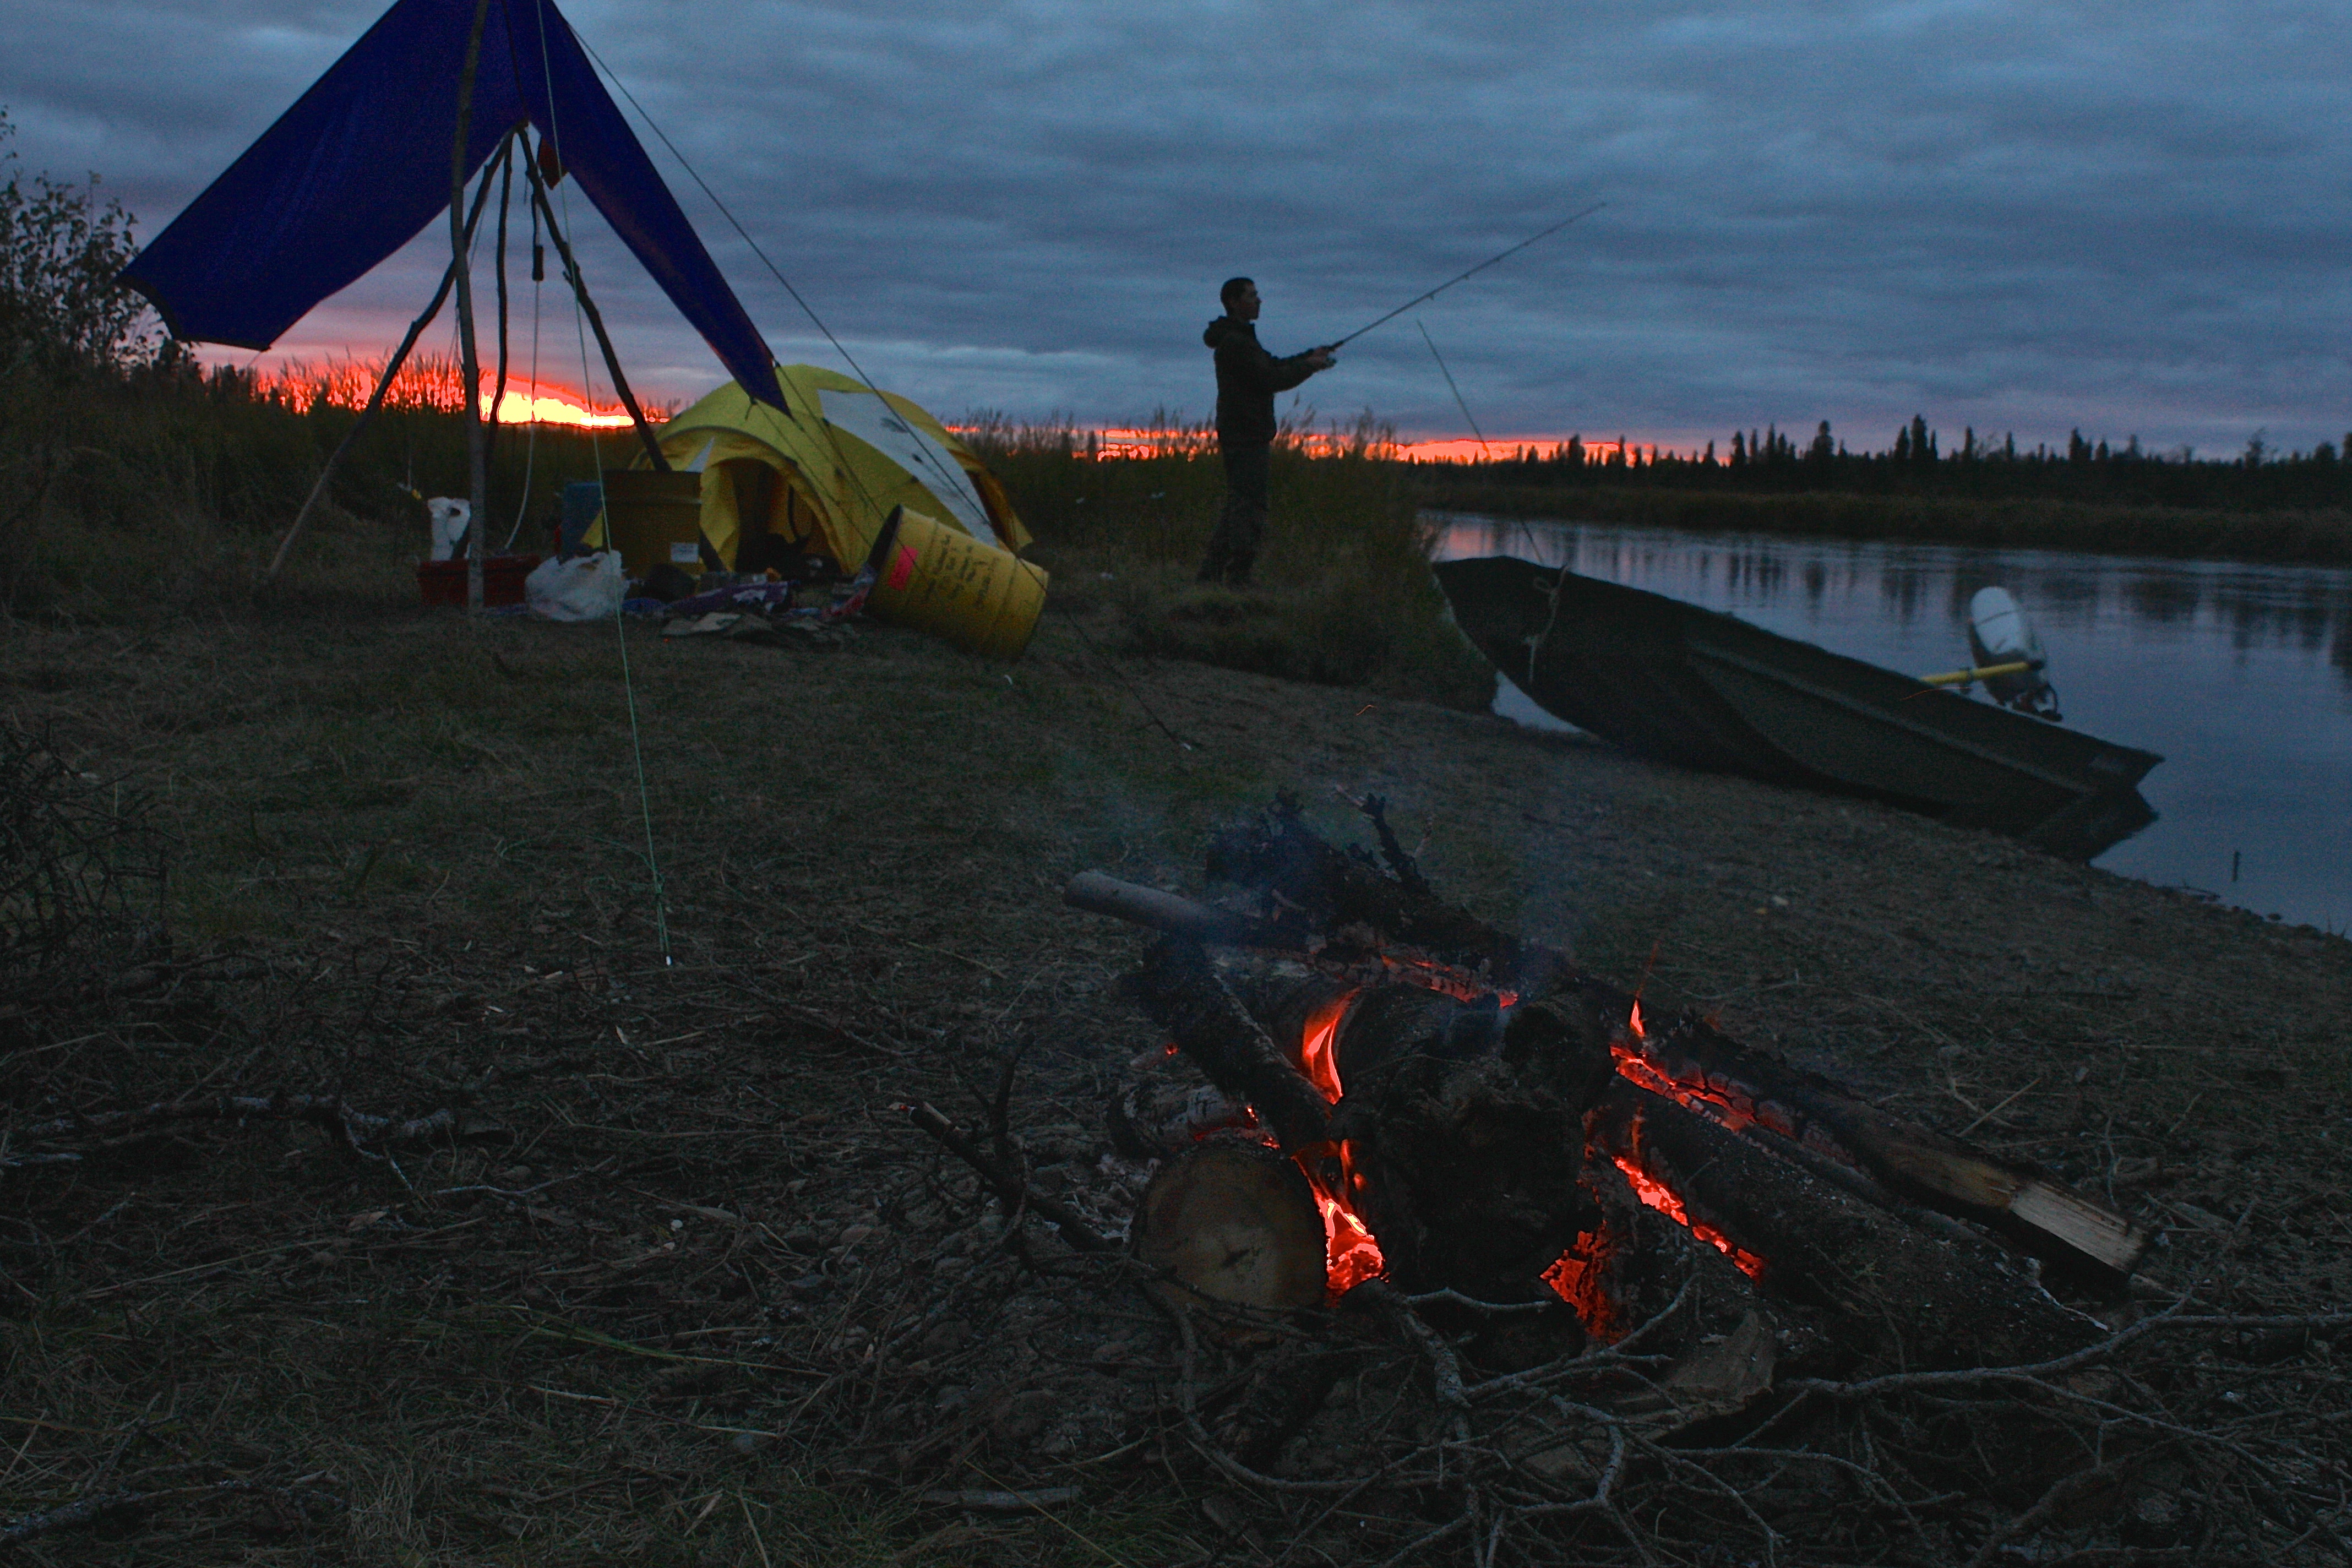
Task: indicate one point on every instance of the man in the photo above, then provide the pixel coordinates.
(1247, 379)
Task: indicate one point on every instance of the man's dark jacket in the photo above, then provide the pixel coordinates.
(1247, 379)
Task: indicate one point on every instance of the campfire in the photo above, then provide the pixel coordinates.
(1626, 1288)
(1400, 1092)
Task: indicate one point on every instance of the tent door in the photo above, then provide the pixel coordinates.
(777, 525)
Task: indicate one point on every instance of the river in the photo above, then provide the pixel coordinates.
(2240, 676)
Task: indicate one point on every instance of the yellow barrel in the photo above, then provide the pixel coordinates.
(941, 580)
(653, 519)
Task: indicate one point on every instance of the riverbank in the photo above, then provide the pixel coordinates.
(690, 1286)
(2320, 537)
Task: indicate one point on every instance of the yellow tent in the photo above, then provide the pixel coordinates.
(822, 477)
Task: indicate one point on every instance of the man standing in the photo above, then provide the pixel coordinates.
(1247, 379)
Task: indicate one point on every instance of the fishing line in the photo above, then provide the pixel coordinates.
(1472, 272)
(597, 446)
(1450, 386)
(851, 359)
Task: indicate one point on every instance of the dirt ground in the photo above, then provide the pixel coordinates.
(687, 1288)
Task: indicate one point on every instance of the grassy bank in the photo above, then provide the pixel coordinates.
(687, 1290)
(164, 492)
(1343, 593)
(2322, 537)
(158, 494)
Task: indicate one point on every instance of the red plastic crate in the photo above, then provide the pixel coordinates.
(444, 582)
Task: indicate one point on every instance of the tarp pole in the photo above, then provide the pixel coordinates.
(506, 194)
(476, 450)
(375, 399)
(596, 321)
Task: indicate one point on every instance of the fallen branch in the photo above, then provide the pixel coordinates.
(1015, 1194)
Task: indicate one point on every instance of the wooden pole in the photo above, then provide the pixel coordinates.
(596, 321)
(476, 451)
(375, 399)
(506, 192)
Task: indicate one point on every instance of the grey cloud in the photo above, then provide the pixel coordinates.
(2011, 215)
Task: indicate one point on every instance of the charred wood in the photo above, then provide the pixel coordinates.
(1461, 1140)
(1705, 1070)
(1151, 1121)
(1181, 992)
(1351, 918)
(1319, 895)
(1901, 1297)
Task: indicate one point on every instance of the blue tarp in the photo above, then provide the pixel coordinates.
(361, 164)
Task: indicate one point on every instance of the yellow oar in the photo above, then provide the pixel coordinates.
(1962, 676)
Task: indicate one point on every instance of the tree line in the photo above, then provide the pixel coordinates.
(1919, 461)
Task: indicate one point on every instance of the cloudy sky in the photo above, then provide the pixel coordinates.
(2027, 217)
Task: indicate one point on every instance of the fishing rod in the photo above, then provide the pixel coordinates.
(1450, 282)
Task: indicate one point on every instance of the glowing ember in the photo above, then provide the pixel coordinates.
(1661, 1198)
(1436, 977)
(1350, 1254)
(1577, 1279)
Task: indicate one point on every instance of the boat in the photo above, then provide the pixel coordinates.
(1681, 684)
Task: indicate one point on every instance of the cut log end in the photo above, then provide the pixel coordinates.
(1233, 1221)
(2105, 1238)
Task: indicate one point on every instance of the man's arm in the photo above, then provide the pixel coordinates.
(1282, 375)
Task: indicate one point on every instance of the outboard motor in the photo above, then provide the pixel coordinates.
(1998, 633)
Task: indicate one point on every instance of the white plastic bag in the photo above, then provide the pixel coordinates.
(584, 588)
(450, 519)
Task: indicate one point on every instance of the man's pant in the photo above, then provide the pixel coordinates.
(1241, 528)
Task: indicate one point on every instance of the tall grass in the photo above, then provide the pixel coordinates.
(164, 491)
(1344, 595)
(167, 489)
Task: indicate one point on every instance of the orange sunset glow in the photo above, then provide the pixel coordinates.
(1112, 442)
(545, 403)
(435, 382)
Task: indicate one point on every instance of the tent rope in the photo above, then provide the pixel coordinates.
(597, 446)
(825, 425)
(851, 359)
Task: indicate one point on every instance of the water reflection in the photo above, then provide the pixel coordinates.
(2240, 675)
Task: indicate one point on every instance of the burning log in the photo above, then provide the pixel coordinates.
(1342, 915)
(1182, 993)
(1704, 1071)
(1901, 1295)
(1458, 1137)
